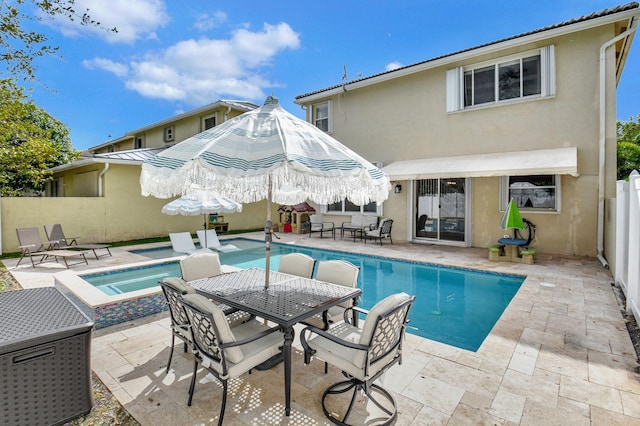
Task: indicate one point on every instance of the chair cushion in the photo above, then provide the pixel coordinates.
(200, 265)
(298, 264)
(346, 359)
(357, 220)
(380, 308)
(233, 354)
(179, 284)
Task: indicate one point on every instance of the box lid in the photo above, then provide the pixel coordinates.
(32, 316)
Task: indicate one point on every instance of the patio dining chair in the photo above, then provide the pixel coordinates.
(226, 351)
(203, 265)
(174, 288)
(338, 272)
(298, 264)
(363, 355)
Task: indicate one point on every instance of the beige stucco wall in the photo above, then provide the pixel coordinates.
(405, 118)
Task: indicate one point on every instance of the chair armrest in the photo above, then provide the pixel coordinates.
(309, 352)
(330, 225)
(347, 313)
(249, 339)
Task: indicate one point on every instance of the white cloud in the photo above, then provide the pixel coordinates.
(393, 66)
(207, 21)
(201, 71)
(119, 70)
(134, 19)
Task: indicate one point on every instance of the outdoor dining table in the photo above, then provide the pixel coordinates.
(287, 301)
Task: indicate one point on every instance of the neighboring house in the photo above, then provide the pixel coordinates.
(530, 117)
(84, 177)
(98, 196)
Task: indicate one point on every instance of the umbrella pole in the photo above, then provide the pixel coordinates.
(205, 232)
(268, 236)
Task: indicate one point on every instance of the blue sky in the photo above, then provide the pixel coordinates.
(170, 57)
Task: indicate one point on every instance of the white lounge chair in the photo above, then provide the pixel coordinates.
(183, 243)
(212, 241)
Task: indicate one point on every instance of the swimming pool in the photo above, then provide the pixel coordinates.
(453, 305)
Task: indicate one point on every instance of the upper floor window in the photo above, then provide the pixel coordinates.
(169, 133)
(320, 116)
(209, 122)
(532, 193)
(138, 142)
(530, 74)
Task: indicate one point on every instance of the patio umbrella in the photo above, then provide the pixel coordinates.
(511, 218)
(200, 202)
(269, 154)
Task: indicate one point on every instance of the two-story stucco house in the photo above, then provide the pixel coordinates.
(531, 117)
(86, 176)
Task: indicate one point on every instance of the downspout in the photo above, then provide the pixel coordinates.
(602, 140)
(106, 167)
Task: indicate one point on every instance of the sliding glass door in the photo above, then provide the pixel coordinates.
(440, 209)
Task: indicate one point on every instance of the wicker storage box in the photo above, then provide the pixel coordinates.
(45, 372)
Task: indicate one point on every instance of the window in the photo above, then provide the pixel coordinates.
(320, 116)
(209, 122)
(347, 207)
(138, 142)
(530, 74)
(533, 193)
(169, 133)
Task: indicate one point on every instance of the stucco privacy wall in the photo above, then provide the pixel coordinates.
(128, 216)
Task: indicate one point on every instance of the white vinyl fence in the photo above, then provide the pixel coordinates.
(628, 241)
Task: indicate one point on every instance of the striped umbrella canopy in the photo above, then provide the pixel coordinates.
(190, 205)
(201, 203)
(251, 157)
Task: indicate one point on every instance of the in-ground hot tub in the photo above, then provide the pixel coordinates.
(128, 300)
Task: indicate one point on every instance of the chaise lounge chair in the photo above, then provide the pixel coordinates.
(56, 237)
(183, 243)
(209, 239)
(31, 245)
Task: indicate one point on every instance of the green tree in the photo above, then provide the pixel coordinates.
(628, 147)
(31, 142)
(20, 46)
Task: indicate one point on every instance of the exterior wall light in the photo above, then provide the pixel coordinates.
(398, 188)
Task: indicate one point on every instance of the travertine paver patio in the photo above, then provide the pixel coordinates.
(560, 354)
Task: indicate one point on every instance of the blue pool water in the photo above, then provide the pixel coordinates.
(455, 306)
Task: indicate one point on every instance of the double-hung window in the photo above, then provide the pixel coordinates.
(169, 133)
(525, 76)
(535, 193)
(320, 114)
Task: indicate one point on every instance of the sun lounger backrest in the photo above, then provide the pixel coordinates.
(55, 233)
(182, 242)
(29, 237)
